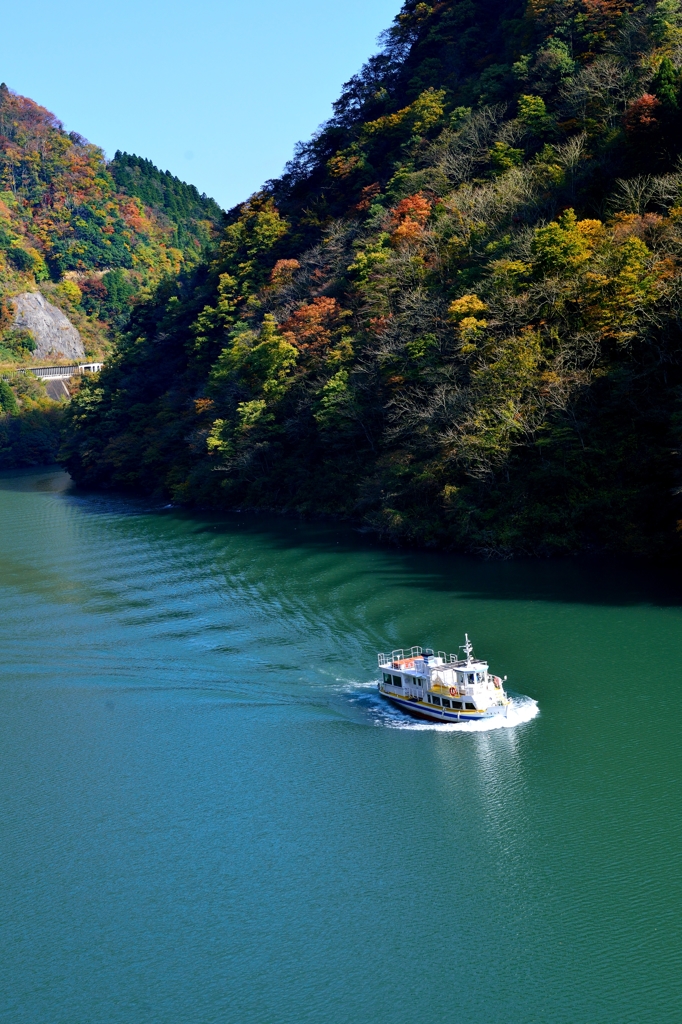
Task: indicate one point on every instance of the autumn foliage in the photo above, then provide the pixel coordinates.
(410, 216)
(642, 117)
(455, 318)
(311, 327)
(65, 211)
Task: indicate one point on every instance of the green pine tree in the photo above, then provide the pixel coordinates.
(666, 84)
(8, 402)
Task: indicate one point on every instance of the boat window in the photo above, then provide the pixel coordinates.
(471, 677)
(435, 700)
(470, 707)
(446, 702)
(457, 704)
(397, 681)
(387, 678)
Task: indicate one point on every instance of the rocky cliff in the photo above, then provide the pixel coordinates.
(54, 334)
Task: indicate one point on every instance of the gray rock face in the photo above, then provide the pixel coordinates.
(55, 335)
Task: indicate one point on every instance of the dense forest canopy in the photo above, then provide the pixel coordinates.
(112, 230)
(192, 215)
(456, 316)
(94, 237)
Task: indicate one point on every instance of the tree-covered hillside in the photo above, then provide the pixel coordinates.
(192, 215)
(94, 237)
(456, 316)
(85, 230)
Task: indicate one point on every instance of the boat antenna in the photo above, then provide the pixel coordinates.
(467, 648)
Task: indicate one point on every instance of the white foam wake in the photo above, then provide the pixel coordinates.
(523, 709)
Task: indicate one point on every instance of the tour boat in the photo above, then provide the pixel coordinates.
(443, 689)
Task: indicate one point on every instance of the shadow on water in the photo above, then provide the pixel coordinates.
(49, 479)
(596, 580)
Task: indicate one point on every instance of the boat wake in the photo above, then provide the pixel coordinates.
(523, 709)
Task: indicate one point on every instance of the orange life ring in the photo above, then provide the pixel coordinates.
(453, 691)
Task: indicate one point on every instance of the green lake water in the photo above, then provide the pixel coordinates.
(207, 815)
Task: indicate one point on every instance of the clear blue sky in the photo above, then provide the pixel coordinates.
(216, 91)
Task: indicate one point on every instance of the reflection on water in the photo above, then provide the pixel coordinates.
(208, 814)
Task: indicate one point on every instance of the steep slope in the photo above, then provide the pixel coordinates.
(192, 215)
(85, 231)
(455, 316)
(81, 240)
(53, 333)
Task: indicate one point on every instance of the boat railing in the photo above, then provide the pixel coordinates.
(391, 660)
(397, 659)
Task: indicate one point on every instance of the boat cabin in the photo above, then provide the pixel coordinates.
(444, 681)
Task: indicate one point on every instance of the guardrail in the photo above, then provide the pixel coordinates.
(62, 371)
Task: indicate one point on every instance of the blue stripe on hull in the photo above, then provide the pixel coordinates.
(419, 711)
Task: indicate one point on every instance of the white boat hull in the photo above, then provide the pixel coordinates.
(419, 708)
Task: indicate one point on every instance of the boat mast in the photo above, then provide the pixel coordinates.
(467, 648)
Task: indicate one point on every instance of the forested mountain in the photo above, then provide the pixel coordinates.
(189, 211)
(455, 317)
(95, 236)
